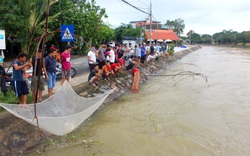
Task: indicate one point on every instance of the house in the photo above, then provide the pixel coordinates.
(159, 31)
(159, 34)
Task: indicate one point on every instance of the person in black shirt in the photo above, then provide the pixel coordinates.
(36, 63)
(94, 75)
(120, 53)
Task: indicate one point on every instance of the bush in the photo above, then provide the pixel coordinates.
(171, 49)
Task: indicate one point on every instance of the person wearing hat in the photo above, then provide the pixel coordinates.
(66, 65)
(92, 57)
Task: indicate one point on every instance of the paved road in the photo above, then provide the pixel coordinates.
(80, 64)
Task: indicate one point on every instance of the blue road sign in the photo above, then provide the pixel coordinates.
(67, 33)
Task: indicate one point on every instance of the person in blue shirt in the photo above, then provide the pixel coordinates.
(143, 53)
(20, 85)
(50, 64)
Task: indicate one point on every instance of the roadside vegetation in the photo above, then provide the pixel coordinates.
(10, 98)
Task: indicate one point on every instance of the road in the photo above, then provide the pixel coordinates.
(80, 64)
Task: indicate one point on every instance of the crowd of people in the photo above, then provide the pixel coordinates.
(104, 61)
(43, 68)
(107, 60)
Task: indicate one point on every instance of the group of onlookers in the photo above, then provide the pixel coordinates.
(104, 61)
(107, 60)
(45, 68)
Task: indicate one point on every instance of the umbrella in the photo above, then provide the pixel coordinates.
(149, 40)
(168, 40)
(160, 40)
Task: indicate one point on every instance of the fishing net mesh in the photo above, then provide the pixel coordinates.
(61, 113)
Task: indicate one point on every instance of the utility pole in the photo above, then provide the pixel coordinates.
(141, 32)
(150, 30)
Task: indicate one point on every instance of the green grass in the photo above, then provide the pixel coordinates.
(10, 98)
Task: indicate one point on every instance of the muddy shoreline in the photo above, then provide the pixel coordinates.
(18, 137)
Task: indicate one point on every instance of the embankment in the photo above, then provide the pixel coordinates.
(17, 136)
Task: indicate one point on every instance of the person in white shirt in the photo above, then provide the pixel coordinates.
(92, 57)
(138, 51)
(151, 57)
(112, 55)
(127, 51)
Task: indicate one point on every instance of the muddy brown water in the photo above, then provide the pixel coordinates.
(177, 116)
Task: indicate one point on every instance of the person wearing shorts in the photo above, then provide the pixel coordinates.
(36, 62)
(20, 85)
(66, 65)
(50, 64)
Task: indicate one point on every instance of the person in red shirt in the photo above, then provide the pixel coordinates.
(66, 65)
(115, 67)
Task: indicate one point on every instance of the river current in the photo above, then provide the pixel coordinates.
(175, 116)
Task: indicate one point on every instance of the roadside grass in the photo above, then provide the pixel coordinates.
(10, 98)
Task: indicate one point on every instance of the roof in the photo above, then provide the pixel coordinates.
(162, 34)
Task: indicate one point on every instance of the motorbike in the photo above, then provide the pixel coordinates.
(6, 82)
(59, 71)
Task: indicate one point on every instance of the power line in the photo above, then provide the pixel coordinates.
(135, 7)
(142, 3)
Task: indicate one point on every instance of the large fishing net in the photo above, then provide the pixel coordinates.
(61, 113)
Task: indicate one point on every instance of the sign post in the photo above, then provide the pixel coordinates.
(2, 45)
(67, 33)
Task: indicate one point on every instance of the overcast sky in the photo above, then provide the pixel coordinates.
(202, 16)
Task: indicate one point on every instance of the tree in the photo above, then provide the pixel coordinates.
(177, 25)
(189, 34)
(24, 21)
(170, 24)
(127, 30)
(196, 38)
(206, 39)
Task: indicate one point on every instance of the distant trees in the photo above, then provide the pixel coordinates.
(223, 37)
(177, 25)
(127, 30)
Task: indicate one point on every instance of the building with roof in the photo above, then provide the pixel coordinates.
(164, 35)
(160, 32)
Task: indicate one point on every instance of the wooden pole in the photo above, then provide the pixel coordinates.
(41, 60)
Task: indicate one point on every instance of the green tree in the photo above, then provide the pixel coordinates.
(177, 25)
(189, 35)
(206, 39)
(127, 30)
(196, 38)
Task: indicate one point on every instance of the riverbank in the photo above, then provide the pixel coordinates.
(18, 137)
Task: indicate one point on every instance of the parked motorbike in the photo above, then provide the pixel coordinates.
(59, 71)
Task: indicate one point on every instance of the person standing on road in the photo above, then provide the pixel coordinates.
(66, 65)
(101, 58)
(50, 64)
(36, 62)
(20, 85)
(92, 57)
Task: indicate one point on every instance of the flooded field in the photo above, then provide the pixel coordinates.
(175, 116)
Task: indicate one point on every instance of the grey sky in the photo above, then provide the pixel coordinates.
(204, 17)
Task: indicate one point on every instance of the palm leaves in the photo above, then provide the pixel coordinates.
(34, 12)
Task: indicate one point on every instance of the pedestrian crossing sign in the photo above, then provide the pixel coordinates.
(67, 33)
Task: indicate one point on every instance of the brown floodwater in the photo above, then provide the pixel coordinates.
(184, 115)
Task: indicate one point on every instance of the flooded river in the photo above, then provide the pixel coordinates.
(178, 116)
